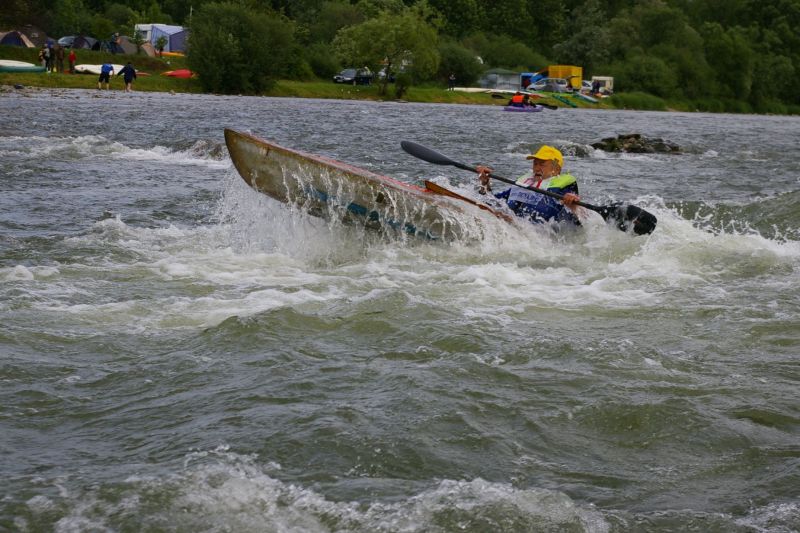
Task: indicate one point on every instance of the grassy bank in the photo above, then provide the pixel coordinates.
(153, 80)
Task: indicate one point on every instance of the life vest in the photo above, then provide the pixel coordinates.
(517, 99)
(538, 207)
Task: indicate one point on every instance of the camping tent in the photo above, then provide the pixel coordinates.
(83, 41)
(175, 35)
(16, 38)
(148, 49)
(123, 45)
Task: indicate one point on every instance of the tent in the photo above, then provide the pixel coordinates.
(123, 45)
(83, 41)
(176, 37)
(148, 49)
(16, 38)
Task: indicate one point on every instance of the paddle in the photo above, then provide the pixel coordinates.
(438, 189)
(505, 97)
(623, 216)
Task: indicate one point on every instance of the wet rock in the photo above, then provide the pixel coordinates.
(636, 143)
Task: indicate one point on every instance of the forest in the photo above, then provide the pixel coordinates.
(720, 55)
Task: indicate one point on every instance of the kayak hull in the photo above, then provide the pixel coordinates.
(9, 65)
(526, 109)
(330, 189)
(95, 69)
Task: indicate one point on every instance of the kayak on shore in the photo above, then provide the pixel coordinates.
(9, 65)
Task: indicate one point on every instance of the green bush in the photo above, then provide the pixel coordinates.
(234, 50)
(322, 60)
(460, 61)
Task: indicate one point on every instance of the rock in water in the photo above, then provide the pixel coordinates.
(636, 143)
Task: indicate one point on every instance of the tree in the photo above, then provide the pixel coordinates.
(161, 43)
(71, 18)
(461, 16)
(504, 51)
(455, 59)
(235, 50)
(588, 46)
(399, 42)
(733, 60)
(333, 16)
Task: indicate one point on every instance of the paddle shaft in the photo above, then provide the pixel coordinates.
(438, 189)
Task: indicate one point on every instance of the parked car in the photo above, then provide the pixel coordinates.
(553, 85)
(354, 76)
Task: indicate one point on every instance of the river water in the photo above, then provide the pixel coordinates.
(181, 353)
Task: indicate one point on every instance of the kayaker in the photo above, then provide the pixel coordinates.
(545, 174)
(518, 100)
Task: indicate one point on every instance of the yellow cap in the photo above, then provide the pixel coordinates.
(548, 153)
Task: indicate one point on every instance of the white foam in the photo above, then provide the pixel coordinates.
(94, 146)
(221, 491)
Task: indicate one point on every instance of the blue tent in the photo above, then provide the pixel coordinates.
(175, 35)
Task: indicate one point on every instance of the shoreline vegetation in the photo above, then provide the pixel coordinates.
(151, 79)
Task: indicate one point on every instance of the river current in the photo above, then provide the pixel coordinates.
(181, 353)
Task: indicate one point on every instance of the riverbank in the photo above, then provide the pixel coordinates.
(152, 78)
(283, 88)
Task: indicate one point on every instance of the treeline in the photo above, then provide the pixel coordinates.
(734, 55)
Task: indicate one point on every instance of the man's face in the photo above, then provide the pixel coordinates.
(544, 168)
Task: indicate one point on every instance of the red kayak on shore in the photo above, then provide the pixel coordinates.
(180, 73)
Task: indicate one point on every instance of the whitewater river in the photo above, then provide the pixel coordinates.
(180, 353)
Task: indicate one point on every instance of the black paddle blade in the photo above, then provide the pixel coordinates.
(629, 216)
(426, 154)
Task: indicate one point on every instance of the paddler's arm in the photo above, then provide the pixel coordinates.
(484, 180)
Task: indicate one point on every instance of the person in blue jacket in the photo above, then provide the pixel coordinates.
(129, 74)
(545, 174)
(105, 75)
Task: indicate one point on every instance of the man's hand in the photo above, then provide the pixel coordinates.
(569, 200)
(483, 178)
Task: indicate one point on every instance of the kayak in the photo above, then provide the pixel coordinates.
(527, 109)
(564, 100)
(95, 69)
(180, 73)
(333, 190)
(9, 65)
(585, 97)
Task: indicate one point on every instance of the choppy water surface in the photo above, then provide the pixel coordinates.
(180, 353)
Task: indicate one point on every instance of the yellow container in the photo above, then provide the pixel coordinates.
(571, 73)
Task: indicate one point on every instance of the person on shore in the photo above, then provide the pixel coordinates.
(44, 57)
(451, 82)
(129, 74)
(59, 58)
(545, 174)
(105, 75)
(72, 58)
